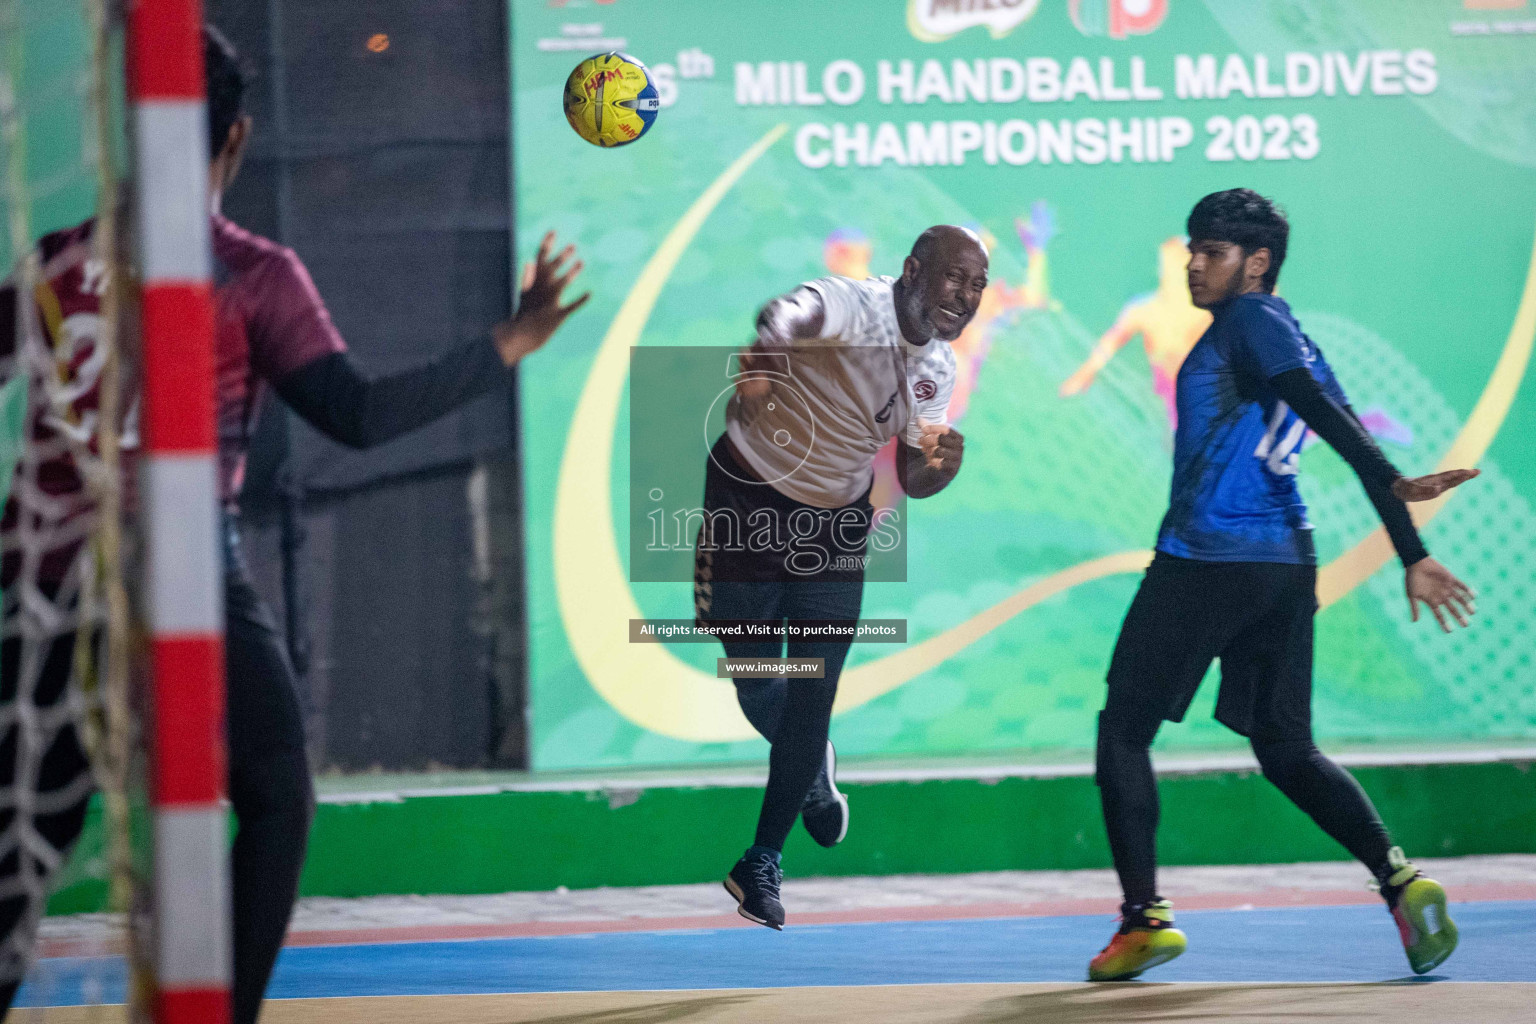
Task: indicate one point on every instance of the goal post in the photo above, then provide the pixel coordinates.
(112, 592)
(179, 518)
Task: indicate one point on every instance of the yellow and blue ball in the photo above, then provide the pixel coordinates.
(610, 99)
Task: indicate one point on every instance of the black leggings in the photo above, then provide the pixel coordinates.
(1327, 793)
(1257, 618)
(733, 582)
(269, 788)
(794, 715)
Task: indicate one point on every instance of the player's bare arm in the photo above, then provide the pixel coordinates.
(788, 318)
(540, 311)
(925, 471)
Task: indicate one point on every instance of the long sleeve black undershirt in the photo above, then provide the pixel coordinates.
(334, 396)
(1342, 429)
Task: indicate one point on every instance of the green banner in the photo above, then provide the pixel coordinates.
(805, 137)
(47, 137)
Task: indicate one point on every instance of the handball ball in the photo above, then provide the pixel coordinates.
(610, 99)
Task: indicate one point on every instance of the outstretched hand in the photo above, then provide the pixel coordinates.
(1439, 589)
(539, 312)
(1427, 488)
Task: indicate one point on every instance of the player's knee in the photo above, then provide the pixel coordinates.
(274, 787)
(758, 691)
(296, 809)
(1121, 725)
(762, 702)
(812, 697)
(1122, 749)
(824, 692)
(1282, 760)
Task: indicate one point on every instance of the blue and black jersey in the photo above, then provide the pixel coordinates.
(1238, 445)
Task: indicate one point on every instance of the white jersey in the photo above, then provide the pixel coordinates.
(838, 399)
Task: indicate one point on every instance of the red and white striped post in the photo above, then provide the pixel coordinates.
(183, 595)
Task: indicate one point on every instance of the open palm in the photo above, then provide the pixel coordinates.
(1427, 488)
(539, 310)
(1431, 584)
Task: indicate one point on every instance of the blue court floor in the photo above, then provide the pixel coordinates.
(1302, 944)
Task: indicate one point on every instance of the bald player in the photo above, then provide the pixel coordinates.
(839, 368)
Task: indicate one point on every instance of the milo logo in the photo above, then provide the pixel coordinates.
(933, 21)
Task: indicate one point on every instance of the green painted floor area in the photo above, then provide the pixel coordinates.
(501, 832)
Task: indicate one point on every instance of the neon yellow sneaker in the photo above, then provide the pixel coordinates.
(1146, 938)
(1418, 905)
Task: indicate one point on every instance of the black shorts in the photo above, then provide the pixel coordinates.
(811, 568)
(1255, 616)
(754, 533)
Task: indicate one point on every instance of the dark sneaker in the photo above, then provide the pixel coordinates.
(825, 811)
(754, 881)
(1418, 906)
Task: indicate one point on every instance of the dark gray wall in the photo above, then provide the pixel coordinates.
(388, 173)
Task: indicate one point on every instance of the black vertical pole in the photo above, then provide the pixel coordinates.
(290, 484)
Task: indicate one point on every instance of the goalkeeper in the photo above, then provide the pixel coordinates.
(271, 330)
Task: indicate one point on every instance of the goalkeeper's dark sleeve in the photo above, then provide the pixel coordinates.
(1344, 432)
(336, 398)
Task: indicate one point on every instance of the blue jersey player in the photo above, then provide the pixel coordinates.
(1235, 577)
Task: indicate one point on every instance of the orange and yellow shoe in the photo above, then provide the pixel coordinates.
(1418, 906)
(1146, 938)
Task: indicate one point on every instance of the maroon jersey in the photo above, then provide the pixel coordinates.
(48, 513)
(270, 321)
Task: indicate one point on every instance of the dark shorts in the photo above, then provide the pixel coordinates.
(812, 567)
(1256, 617)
